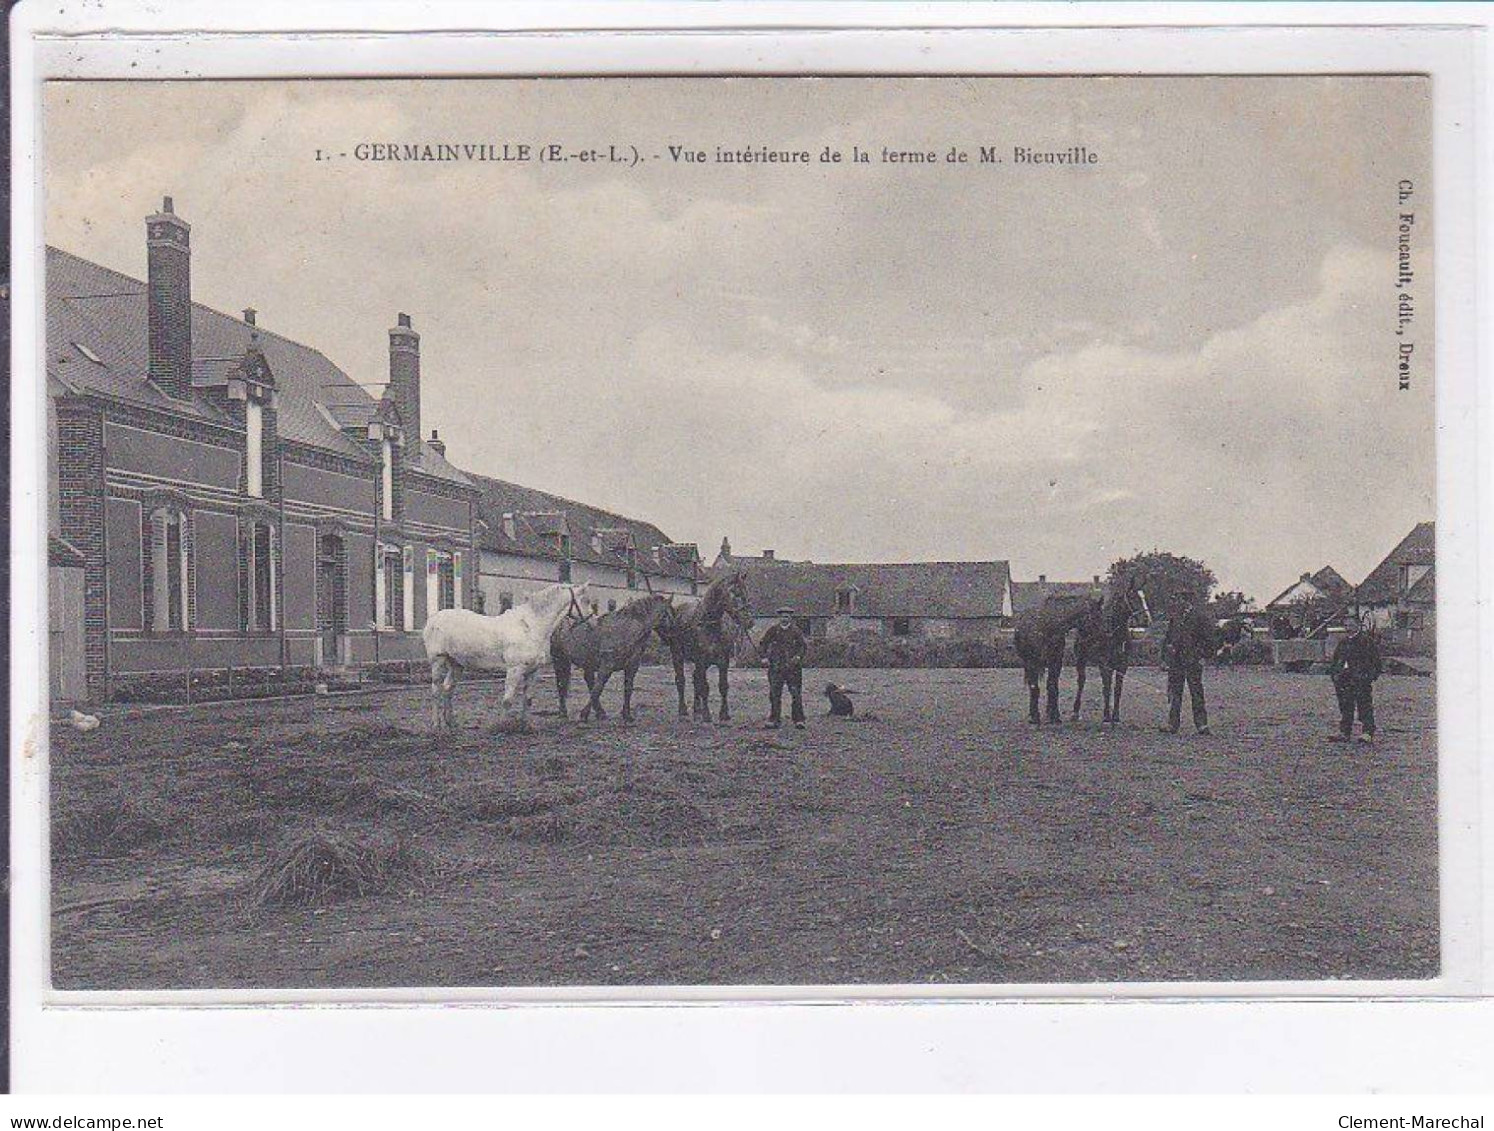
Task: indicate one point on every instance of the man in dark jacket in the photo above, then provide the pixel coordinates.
(1355, 666)
(783, 646)
(1188, 642)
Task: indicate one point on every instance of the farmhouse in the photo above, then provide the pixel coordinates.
(223, 498)
(943, 600)
(1030, 595)
(1400, 594)
(1309, 602)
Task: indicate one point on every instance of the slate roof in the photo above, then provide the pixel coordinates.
(1029, 595)
(1383, 585)
(895, 589)
(97, 342)
(540, 516)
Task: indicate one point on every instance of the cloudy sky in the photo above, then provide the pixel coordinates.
(1188, 345)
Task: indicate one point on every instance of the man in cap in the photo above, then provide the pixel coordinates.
(783, 646)
(1355, 666)
(1189, 639)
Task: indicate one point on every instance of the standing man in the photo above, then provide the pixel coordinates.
(783, 645)
(1189, 640)
(1355, 666)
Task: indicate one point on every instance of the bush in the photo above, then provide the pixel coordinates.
(864, 649)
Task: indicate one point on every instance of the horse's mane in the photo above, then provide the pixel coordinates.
(638, 610)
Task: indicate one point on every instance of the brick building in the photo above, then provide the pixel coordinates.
(236, 500)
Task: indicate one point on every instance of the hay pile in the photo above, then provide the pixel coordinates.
(326, 867)
(110, 828)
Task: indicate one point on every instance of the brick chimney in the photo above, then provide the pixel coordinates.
(169, 301)
(404, 378)
(436, 444)
(1042, 579)
(249, 315)
(767, 555)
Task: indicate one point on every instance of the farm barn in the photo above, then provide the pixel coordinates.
(939, 600)
(234, 502)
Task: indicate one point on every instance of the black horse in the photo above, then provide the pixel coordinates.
(604, 645)
(706, 634)
(1039, 639)
(1104, 639)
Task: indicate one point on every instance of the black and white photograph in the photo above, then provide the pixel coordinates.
(560, 533)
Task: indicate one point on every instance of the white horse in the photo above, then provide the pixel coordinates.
(516, 641)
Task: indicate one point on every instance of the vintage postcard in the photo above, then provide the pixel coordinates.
(541, 534)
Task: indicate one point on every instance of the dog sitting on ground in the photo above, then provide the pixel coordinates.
(840, 701)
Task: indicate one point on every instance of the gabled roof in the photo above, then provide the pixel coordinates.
(579, 520)
(892, 589)
(97, 325)
(1029, 595)
(1325, 585)
(1383, 585)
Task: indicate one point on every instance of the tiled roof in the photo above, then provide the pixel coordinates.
(580, 521)
(430, 462)
(1029, 595)
(1383, 585)
(894, 589)
(97, 342)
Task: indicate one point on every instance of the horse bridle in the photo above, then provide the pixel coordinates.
(581, 617)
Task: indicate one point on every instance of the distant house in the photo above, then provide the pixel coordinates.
(1400, 594)
(1309, 602)
(1029, 595)
(942, 600)
(530, 538)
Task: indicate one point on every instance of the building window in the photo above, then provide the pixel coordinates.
(505, 602)
(632, 578)
(166, 552)
(445, 582)
(386, 480)
(901, 626)
(391, 587)
(254, 458)
(612, 606)
(260, 552)
(845, 600)
(565, 569)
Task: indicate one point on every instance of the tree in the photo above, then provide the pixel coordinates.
(1230, 604)
(1165, 574)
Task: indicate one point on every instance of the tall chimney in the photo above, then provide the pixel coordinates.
(404, 378)
(249, 315)
(767, 555)
(169, 301)
(1042, 579)
(436, 443)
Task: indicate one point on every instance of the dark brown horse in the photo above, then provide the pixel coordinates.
(706, 634)
(1105, 640)
(603, 645)
(1039, 639)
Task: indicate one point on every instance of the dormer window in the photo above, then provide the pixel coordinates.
(845, 600)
